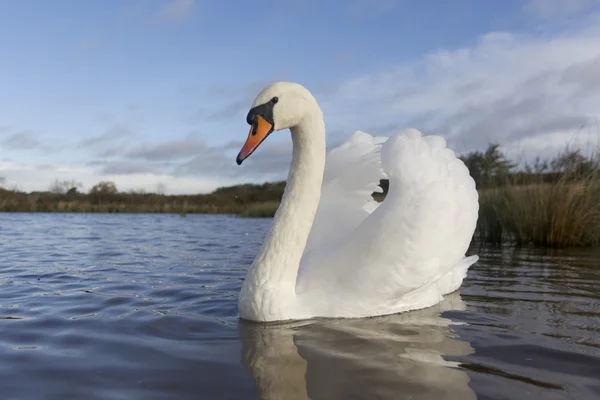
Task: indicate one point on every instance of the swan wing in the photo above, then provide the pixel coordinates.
(352, 174)
(410, 250)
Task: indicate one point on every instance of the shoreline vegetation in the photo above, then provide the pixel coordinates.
(105, 198)
(554, 204)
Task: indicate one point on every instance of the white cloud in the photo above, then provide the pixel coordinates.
(27, 177)
(508, 88)
(548, 144)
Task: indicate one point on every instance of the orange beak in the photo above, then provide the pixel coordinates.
(259, 131)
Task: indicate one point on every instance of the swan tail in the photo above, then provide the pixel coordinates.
(427, 295)
(453, 279)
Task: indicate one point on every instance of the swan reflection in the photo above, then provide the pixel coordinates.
(390, 357)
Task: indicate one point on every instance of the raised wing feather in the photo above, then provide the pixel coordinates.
(410, 250)
(352, 174)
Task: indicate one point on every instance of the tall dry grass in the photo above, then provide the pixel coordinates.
(561, 214)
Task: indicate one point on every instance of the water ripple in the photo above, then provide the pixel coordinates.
(145, 306)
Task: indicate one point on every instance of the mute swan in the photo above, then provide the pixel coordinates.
(332, 251)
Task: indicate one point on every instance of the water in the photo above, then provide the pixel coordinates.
(145, 307)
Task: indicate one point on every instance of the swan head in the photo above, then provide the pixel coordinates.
(281, 105)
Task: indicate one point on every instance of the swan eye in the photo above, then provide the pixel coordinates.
(274, 100)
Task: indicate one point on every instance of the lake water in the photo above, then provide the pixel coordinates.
(145, 307)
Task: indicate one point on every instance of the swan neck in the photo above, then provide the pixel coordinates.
(295, 216)
(269, 288)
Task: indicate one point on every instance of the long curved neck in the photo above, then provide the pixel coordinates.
(272, 276)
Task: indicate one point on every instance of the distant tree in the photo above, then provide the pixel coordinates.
(2, 181)
(56, 187)
(161, 188)
(104, 187)
(137, 191)
(489, 167)
(65, 186)
(538, 166)
(572, 161)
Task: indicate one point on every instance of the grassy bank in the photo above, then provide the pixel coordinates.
(227, 200)
(562, 214)
(557, 208)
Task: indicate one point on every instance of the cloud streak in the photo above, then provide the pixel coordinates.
(173, 150)
(108, 137)
(23, 140)
(505, 88)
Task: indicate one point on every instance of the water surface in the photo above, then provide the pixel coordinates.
(145, 307)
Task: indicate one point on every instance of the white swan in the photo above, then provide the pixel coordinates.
(333, 251)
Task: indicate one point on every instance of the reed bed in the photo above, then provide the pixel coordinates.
(561, 214)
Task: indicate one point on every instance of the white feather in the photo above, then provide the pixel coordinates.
(407, 252)
(352, 174)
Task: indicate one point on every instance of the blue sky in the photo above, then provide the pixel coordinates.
(143, 92)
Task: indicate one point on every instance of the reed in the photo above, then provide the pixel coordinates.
(561, 214)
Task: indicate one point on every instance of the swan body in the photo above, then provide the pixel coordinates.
(332, 250)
